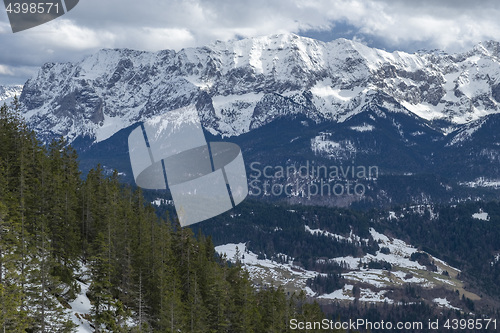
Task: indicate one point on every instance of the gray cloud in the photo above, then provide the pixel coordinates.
(153, 25)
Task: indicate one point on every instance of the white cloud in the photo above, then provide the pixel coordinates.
(452, 25)
(117, 23)
(151, 39)
(63, 34)
(5, 70)
(449, 25)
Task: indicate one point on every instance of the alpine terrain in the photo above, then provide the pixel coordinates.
(287, 99)
(374, 180)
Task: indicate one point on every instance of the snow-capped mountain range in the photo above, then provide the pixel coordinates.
(241, 85)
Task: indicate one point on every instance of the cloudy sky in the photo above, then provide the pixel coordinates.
(408, 25)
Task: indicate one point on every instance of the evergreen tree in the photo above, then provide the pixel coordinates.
(45, 311)
(62, 205)
(106, 311)
(12, 317)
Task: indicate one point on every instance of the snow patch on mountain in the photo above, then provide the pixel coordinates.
(445, 303)
(396, 246)
(341, 294)
(482, 182)
(267, 271)
(352, 238)
(376, 277)
(392, 216)
(323, 145)
(363, 128)
(496, 259)
(235, 112)
(483, 216)
(467, 131)
(366, 295)
(423, 110)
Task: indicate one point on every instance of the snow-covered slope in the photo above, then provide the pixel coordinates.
(265, 272)
(241, 85)
(377, 285)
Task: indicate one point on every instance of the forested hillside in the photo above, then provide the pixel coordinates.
(145, 274)
(358, 255)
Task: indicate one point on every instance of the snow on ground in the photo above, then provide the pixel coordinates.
(403, 269)
(422, 210)
(399, 255)
(445, 281)
(80, 307)
(324, 89)
(160, 201)
(363, 128)
(246, 257)
(309, 292)
(404, 277)
(340, 294)
(481, 182)
(236, 111)
(496, 258)
(400, 251)
(481, 216)
(265, 270)
(321, 143)
(443, 263)
(351, 239)
(110, 125)
(350, 261)
(380, 278)
(376, 277)
(423, 110)
(444, 303)
(367, 295)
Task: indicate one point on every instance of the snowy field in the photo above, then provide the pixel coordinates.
(374, 281)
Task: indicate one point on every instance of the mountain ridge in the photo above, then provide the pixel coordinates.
(238, 86)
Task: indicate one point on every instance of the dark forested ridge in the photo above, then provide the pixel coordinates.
(145, 274)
